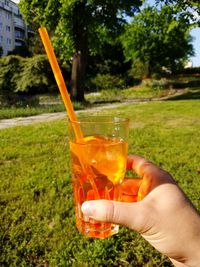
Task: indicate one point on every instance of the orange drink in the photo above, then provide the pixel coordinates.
(98, 164)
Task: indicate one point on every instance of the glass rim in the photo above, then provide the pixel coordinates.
(100, 119)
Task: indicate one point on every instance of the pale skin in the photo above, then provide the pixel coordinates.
(164, 216)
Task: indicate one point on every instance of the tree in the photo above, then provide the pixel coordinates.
(80, 29)
(10, 67)
(157, 39)
(188, 9)
(19, 76)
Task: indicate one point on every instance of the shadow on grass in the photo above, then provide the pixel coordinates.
(187, 84)
(190, 94)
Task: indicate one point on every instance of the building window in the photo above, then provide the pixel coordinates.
(8, 16)
(6, 2)
(7, 28)
(1, 39)
(8, 41)
(18, 43)
(19, 34)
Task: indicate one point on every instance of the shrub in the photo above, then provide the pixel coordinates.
(20, 75)
(10, 67)
(193, 70)
(36, 76)
(156, 84)
(139, 70)
(107, 82)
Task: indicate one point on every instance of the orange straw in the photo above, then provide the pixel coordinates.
(64, 93)
(60, 80)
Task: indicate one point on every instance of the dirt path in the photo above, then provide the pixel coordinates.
(7, 123)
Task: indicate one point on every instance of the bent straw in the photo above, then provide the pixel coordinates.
(64, 93)
(60, 80)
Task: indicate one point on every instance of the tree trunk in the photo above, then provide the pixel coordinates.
(78, 77)
(80, 57)
(149, 70)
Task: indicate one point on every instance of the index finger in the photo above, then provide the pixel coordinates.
(145, 168)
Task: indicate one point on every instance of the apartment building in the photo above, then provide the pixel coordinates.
(13, 30)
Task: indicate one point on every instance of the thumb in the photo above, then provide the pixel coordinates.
(127, 214)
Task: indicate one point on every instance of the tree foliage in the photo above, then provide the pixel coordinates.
(189, 9)
(156, 39)
(107, 82)
(80, 28)
(10, 67)
(25, 75)
(35, 76)
(70, 20)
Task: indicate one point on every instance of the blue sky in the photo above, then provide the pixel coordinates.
(196, 43)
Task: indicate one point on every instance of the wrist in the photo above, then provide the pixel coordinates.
(186, 263)
(190, 254)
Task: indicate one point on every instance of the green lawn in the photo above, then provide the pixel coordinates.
(37, 217)
(188, 86)
(25, 111)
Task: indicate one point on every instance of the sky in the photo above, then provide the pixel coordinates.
(196, 44)
(195, 33)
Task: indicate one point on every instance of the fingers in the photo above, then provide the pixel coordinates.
(146, 168)
(152, 175)
(129, 189)
(127, 214)
(140, 165)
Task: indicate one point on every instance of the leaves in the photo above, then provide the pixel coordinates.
(35, 73)
(71, 20)
(26, 75)
(154, 37)
(188, 9)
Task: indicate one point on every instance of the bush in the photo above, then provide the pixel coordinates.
(36, 76)
(139, 70)
(193, 70)
(10, 68)
(107, 82)
(20, 75)
(156, 84)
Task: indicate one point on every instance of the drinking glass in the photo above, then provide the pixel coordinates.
(98, 166)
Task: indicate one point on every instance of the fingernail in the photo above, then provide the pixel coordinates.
(87, 208)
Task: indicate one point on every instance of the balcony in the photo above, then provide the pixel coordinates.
(19, 43)
(6, 7)
(19, 36)
(19, 23)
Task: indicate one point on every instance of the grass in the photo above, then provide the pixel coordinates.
(37, 217)
(13, 112)
(136, 92)
(189, 86)
(149, 89)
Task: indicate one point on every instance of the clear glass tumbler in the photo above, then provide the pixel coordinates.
(98, 166)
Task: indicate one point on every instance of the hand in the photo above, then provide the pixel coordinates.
(163, 216)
